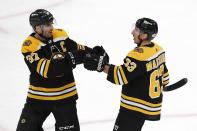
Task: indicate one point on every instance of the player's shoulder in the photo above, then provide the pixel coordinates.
(59, 34)
(158, 46)
(31, 44)
(143, 53)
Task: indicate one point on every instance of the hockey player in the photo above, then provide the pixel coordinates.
(50, 56)
(143, 75)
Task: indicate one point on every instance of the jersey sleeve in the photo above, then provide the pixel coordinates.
(71, 45)
(75, 48)
(129, 70)
(165, 78)
(36, 61)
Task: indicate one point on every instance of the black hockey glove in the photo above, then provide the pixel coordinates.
(100, 51)
(57, 65)
(96, 60)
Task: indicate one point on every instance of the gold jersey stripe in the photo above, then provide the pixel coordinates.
(140, 110)
(166, 74)
(39, 65)
(52, 89)
(46, 68)
(166, 82)
(53, 97)
(123, 75)
(140, 101)
(115, 76)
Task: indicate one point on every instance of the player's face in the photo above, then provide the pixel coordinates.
(47, 30)
(136, 34)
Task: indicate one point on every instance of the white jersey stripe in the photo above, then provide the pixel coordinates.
(119, 76)
(52, 93)
(42, 67)
(140, 105)
(165, 78)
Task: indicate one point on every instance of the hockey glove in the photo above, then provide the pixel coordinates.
(57, 65)
(100, 51)
(95, 62)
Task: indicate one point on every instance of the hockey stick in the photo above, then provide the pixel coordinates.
(176, 85)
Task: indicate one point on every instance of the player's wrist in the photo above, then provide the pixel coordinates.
(106, 68)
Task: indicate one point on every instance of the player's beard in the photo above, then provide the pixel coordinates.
(137, 40)
(47, 34)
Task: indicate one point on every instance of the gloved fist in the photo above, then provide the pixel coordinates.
(100, 51)
(96, 60)
(91, 61)
(57, 56)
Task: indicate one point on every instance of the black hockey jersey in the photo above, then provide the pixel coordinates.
(49, 80)
(143, 76)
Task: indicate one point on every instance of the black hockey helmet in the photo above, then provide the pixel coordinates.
(40, 17)
(148, 26)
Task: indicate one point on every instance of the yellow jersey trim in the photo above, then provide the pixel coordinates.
(46, 68)
(166, 74)
(33, 46)
(115, 75)
(147, 52)
(123, 75)
(53, 97)
(140, 110)
(140, 101)
(39, 65)
(166, 82)
(58, 33)
(52, 89)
